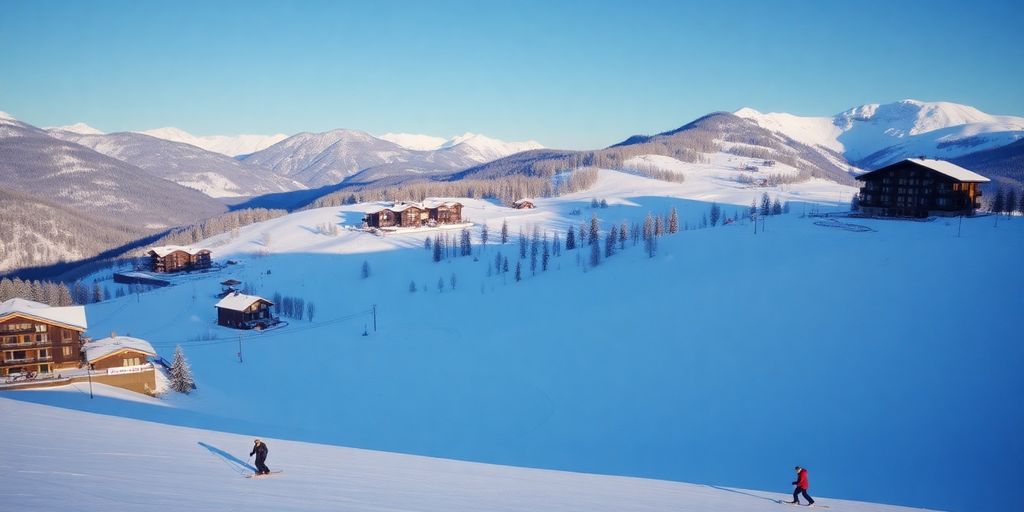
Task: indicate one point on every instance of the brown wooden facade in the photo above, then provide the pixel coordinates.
(179, 261)
(38, 345)
(909, 189)
(414, 216)
(257, 315)
(121, 359)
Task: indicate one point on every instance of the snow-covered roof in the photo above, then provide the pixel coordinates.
(523, 200)
(72, 316)
(437, 203)
(943, 167)
(164, 250)
(239, 301)
(98, 349)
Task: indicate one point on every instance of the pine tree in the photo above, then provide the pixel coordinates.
(452, 280)
(673, 219)
(854, 203)
(594, 234)
(522, 244)
(426, 243)
(604, 203)
(999, 202)
(545, 255)
(465, 243)
(659, 226)
(753, 208)
(412, 286)
(610, 241)
(519, 272)
(648, 235)
(504, 266)
(624, 234)
(534, 249)
(483, 236)
(365, 271)
(716, 213)
(556, 245)
(438, 250)
(766, 205)
(1011, 201)
(776, 207)
(570, 239)
(97, 292)
(181, 373)
(440, 284)
(504, 232)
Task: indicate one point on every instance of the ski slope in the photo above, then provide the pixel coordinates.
(726, 359)
(108, 462)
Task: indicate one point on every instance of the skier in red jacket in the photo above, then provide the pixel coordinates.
(801, 487)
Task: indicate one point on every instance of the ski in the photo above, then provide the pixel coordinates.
(790, 503)
(272, 473)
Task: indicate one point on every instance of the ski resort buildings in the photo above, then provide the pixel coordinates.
(919, 187)
(414, 215)
(173, 258)
(522, 204)
(37, 338)
(122, 361)
(241, 311)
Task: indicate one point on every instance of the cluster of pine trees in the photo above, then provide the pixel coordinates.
(230, 221)
(294, 307)
(1007, 202)
(444, 246)
(46, 292)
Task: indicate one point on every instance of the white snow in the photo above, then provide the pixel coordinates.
(164, 250)
(950, 169)
(238, 301)
(80, 128)
(98, 349)
(477, 147)
(414, 141)
(230, 145)
(67, 315)
(105, 461)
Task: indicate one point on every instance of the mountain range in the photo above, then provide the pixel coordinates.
(136, 183)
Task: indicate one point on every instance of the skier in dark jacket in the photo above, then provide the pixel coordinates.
(260, 449)
(801, 487)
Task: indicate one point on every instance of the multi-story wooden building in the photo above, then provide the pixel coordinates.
(241, 311)
(414, 215)
(522, 204)
(919, 187)
(173, 258)
(38, 338)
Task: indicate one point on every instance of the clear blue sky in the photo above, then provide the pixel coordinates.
(574, 74)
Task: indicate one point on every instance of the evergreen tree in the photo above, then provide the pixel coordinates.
(854, 203)
(438, 249)
(766, 205)
(673, 219)
(556, 245)
(545, 255)
(519, 272)
(440, 284)
(412, 286)
(999, 203)
(635, 233)
(534, 249)
(523, 243)
(610, 241)
(716, 213)
(504, 232)
(97, 292)
(604, 203)
(504, 266)
(452, 280)
(365, 271)
(181, 373)
(277, 303)
(1021, 207)
(426, 243)
(776, 207)
(497, 263)
(570, 239)
(465, 243)
(1011, 201)
(594, 203)
(310, 310)
(595, 231)
(659, 226)
(648, 234)
(623, 234)
(483, 236)
(753, 208)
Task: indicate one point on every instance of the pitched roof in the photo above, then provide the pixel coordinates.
(72, 316)
(239, 301)
(164, 250)
(940, 166)
(98, 349)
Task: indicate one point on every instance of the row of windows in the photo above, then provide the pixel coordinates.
(22, 327)
(42, 353)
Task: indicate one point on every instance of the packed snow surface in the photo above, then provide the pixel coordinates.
(725, 360)
(106, 461)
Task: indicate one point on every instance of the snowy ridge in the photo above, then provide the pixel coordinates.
(874, 135)
(230, 145)
(485, 149)
(414, 141)
(79, 128)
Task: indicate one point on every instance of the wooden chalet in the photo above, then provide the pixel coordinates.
(919, 187)
(414, 215)
(241, 311)
(523, 204)
(173, 258)
(122, 361)
(38, 338)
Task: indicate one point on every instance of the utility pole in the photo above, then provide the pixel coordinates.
(89, 370)
(239, 348)
(374, 318)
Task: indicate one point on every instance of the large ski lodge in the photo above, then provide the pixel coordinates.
(38, 338)
(174, 258)
(920, 187)
(414, 215)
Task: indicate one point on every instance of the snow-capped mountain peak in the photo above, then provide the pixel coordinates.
(484, 149)
(230, 145)
(414, 141)
(6, 117)
(79, 128)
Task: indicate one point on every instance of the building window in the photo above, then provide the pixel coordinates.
(66, 351)
(65, 335)
(130, 361)
(44, 368)
(40, 327)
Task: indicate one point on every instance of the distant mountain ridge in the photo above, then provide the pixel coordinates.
(230, 145)
(873, 135)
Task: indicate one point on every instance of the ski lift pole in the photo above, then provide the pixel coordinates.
(374, 318)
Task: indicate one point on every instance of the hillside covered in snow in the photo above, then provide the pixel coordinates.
(723, 360)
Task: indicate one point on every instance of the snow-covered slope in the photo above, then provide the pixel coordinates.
(726, 359)
(79, 128)
(485, 149)
(874, 135)
(230, 145)
(414, 141)
(106, 460)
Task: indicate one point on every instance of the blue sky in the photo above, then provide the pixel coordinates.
(574, 74)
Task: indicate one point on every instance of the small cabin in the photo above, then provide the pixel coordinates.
(229, 286)
(241, 311)
(523, 204)
(920, 187)
(174, 258)
(122, 361)
(37, 338)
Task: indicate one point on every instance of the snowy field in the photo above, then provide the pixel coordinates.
(886, 361)
(106, 462)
